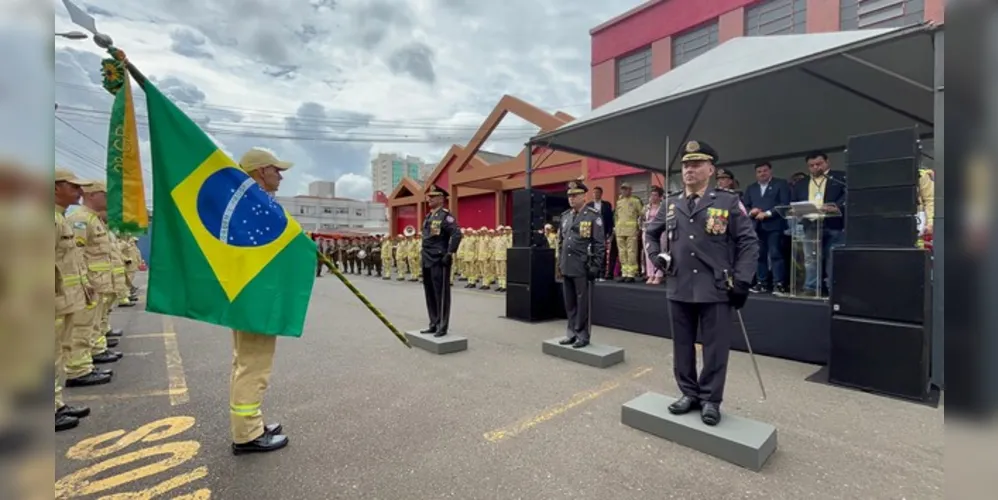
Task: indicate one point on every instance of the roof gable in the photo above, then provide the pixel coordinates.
(406, 187)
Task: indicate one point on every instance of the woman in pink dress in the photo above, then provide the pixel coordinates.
(654, 203)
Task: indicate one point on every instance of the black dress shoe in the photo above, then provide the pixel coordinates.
(92, 378)
(440, 333)
(114, 332)
(104, 357)
(262, 444)
(112, 342)
(273, 429)
(683, 405)
(710, 413)
(65, 422)
(579, 344)
(73, 411)
(567, 341)
(431, 329)
(104, 371)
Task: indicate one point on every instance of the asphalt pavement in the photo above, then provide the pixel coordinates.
(371, 419)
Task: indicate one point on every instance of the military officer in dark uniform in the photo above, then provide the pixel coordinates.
(713, 252)
(441, 237)
(581, 248)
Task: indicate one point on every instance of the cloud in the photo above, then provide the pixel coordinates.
(354, 186)
(190, 43)
(329, 84)
(415, 59)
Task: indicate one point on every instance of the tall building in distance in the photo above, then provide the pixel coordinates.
(388, 169)
(322, 189)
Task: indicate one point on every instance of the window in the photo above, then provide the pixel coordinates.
(359, 212)
(691, 44)
(776, 17)
(860, 14)
(306, 210)
(327, 210)
(342, 210)
(633, 70)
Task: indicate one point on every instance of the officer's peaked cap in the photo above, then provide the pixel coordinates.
(699, 151)
(577, 187)
(436, 191)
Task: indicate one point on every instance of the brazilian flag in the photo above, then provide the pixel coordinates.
(223, 251)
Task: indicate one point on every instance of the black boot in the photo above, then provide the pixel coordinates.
(683, 405)
(431, 329)
(92, 378)
(710, 413)
(78, 412)
(65, 422)
(567, 341)
(263, 444)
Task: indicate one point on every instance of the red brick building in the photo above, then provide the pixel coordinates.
(656, 36)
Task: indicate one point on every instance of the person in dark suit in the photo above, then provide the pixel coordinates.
(826, 188)
(441, 238)
(714, 250)
(581, 243)
(760, 199)
(605, 211)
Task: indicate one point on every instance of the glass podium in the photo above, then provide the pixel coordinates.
(808, 259)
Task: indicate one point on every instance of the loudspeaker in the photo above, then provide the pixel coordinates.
(524, 238)
(528, 210)
(889, 284)
(527, 265)
(889, 201)
(882, 174)
(880, 356)
(880, 146)
(531, 302)
(897, 232)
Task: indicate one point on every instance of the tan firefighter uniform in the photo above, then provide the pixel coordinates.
(926, 203)
(400, 259)
(71, 296)
(470, 263)
(499, 257)
(483, 255)
(88, 339)
(462, 254)
(416, 251)
(133, 259)
(386, 257)
(252, 353)
(627, 215)
(412, 258)
(117, 274)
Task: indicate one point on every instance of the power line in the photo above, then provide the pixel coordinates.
(374, 123)
(324, 137)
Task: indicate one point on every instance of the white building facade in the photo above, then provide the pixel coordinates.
(316, 213)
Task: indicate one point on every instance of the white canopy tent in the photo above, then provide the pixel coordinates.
(766, 98)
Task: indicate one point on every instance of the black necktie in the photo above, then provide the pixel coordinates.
(692, 203)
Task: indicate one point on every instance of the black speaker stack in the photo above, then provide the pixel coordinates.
(531, 292)
(881, 293)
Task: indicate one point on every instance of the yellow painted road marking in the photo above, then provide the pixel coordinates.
(554, 411)
(174, 365)
(132, 395)
(149, 335)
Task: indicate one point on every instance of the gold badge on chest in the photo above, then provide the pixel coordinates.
(717, 221)
(435, 228)
(586, 229)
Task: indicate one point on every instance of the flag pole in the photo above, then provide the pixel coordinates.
(103, 41)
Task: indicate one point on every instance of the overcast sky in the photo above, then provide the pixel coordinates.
(328, 84)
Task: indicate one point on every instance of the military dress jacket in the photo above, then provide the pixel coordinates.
(581, 242)
(441, 236)
(712, 247)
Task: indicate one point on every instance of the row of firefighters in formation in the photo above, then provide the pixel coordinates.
(480, 258)
(94, 273)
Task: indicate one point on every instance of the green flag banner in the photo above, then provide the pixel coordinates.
(126, 195)
(223, 251)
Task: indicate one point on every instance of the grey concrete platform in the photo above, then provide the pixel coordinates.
(738, 440)
(598, 355)
(443, 345)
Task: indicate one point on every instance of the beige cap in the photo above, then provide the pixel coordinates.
(261, 157)
(63, 175)
(95, 187)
